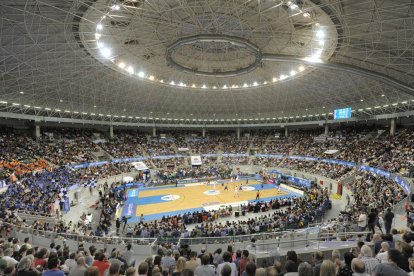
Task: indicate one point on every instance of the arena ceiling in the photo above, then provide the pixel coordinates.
(197, 60)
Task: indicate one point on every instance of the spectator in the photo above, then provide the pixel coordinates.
(291, 268)
(305, 269)
(369, 261)
(382, 256)
(179, 267)
(358, 267)
(346, 269)
(388, 219)
(227, 261)
(318, 257)
(243, 262)
(26, 268)
(327, 268)
(92, 271)
(205, 269)
(101, 263)
(251, 269)
(131, 271)
(168, 262)
(142, 269)
(391, 267)
(53, 268)
(192, 264)
(80, 268)
(114, 269)
(225, 270)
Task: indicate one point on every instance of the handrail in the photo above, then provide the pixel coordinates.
(81, 238)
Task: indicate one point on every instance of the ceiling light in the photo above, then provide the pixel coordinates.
(84, 113)
(61, 100)
(58, 110)
(321, 43)
(245, 85)
(320, 34)
(106, 52)
(75, 112)
(3, 102)
(282, 77)
(161, 81)
(130, 69)
(151, 77)
(404, 102)
(292, 73)
(92, 114)
(47, 108)
(383, 95)
(26, 105)
(313, 58)
(265, 82)
(15, 104)
(368, 108)
(99, 26)
(67, 111)
(301, 68)
(224, 86)
(37, 107)
(255, 83)
(172, 82)
(360, 109)
(116, 7)
(306, 14)
(361, 100)
(182, 84)
(385, 105)
(274, 79)
(377, 107)
(99, 44)
(141, 74)
(121, 65)
(21, 92)
(214, 87)
(100, 114)
(204, 86)
(94, 106)
(394, 104)
(97, 36)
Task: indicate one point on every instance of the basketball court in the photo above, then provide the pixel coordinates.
(154, 203)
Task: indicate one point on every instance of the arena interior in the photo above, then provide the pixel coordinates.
(206, 137)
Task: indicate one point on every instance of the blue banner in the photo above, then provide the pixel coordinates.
(234, 154)
(132, 159)
(209, 155)
(376, 171)
(167, 156)
(307, 158)
(404, 184)
(299, 181)
(339, 162)
(276, 156)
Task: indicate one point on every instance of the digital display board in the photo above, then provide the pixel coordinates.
(344, 113)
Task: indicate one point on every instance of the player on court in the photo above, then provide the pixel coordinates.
(258, 195)
(226, 187)
(236, 191)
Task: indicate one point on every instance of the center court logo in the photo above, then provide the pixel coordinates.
(248, 188)
(211, 192)
(170, 197)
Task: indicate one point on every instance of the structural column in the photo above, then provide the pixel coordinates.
(204, 132)
(286, 131)
(111, 131)
(154, 131)
(392, 127)
(37, 131)
(238, 133)
(326, 129)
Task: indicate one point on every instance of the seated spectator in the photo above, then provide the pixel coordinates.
(327, 268)
(25, 267)
(358, 267)
(80, 268)
(53, 268)
(369, 261)
(304, 269)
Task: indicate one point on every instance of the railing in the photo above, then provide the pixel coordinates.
(284, 239)
(108, 240)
